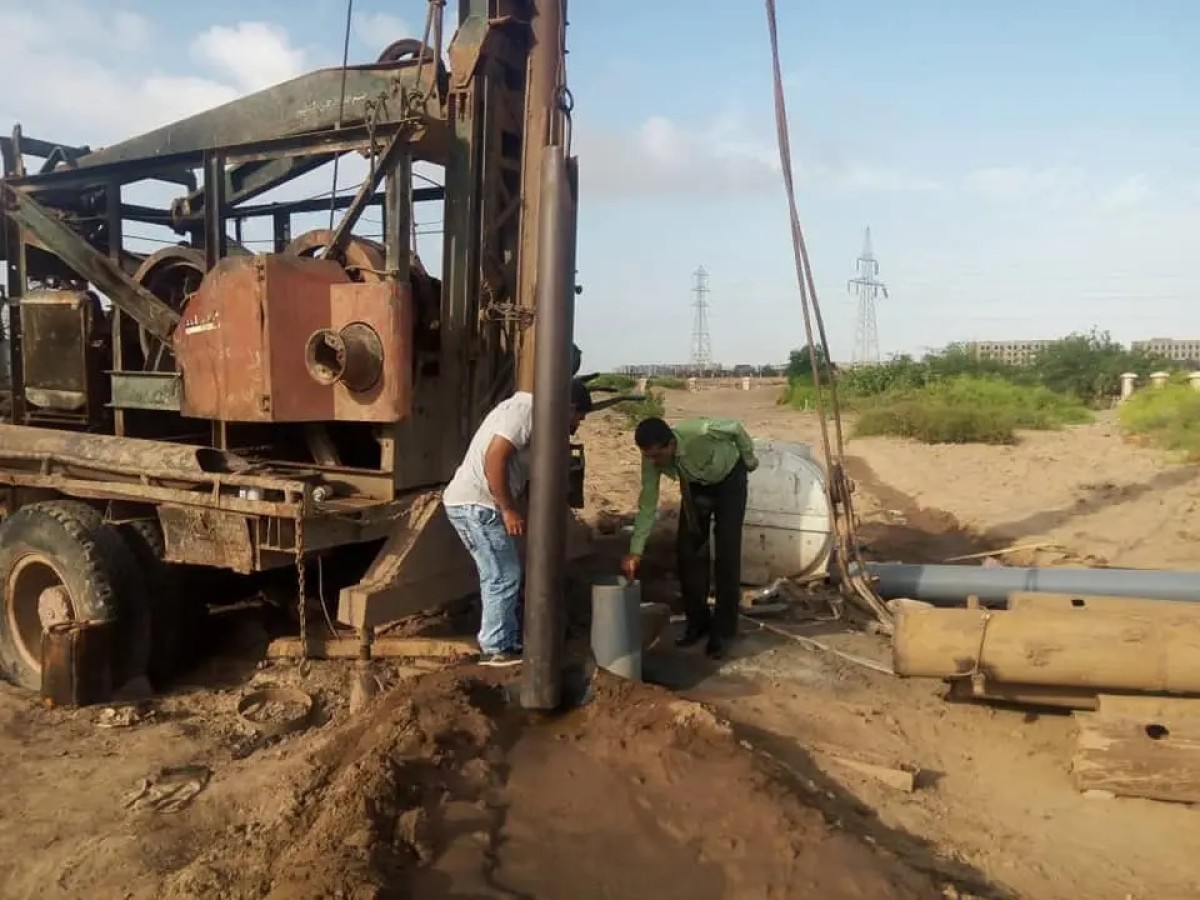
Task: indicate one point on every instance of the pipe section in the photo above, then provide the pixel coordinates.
(951, 585)
(541, 684)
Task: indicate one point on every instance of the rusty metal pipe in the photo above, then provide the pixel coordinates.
(352, 356)
(137, 458)
(543, 124)
(545, 580)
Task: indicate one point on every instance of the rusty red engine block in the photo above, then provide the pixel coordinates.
(284, 338)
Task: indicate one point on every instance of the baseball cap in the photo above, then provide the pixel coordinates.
(581, 397)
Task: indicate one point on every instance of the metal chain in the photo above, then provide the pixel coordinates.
(302, 589)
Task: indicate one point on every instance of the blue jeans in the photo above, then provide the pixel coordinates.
(494, 550)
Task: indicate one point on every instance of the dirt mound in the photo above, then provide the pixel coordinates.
(441, 790)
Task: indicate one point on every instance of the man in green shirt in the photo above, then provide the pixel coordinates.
(711, 459)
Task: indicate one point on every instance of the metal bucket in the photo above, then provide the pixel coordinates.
(617, 626)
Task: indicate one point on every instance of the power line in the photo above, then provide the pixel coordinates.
(701, 342)
(868, 287)
(341, 103)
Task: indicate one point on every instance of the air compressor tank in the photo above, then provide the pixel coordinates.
(788, 531)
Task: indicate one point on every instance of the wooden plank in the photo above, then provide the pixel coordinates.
(347, 648)
(1034, 602)
(961, 690)
(1140, 747)
(901, 777)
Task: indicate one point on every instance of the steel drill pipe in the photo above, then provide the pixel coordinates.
(541, 683)
(951, 585)
(544, 128)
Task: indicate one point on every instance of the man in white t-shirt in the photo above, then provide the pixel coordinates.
(480, 502)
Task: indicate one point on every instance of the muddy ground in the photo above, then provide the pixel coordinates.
(440, 789)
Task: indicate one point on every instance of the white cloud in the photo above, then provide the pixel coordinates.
(1130, 194)
(377, 30)
(64, 22)
(1010, 183)
(866, 178)
(663, 156)
(256, 55)
(91, 86)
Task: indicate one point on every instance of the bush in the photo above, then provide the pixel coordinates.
(936, 422)
(1087, 367)
(614, 382)
(1031, 407)
(668, 384)
(800, 393)
(634, 411)
(1168, 416)
(968, 410)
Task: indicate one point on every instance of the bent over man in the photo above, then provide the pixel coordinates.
(711, 459)
(481, 503)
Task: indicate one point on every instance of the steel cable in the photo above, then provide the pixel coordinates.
(838, 487)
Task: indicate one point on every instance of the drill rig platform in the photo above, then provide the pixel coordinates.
(207, 405)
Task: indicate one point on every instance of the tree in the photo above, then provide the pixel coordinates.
(1089, 366)
(800, 364)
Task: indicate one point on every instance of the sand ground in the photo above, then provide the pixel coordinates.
(726, 785)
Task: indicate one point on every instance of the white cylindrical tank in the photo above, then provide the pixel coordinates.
(788, 531)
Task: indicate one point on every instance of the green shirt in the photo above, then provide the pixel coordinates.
(706, 450)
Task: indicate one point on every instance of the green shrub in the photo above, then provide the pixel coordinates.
(1031, 407)
(967, 410)
(800, 393)
(1168, 416)
(1087, 367)
(937, 422)
(668, 384)
(614, 382)
(634, 411)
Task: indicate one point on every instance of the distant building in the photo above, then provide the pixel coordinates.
(1014, 353)
(1174, 349)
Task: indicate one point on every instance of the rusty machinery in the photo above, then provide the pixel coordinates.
(249, 410)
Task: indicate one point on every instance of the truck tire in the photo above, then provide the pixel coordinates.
(65, 544)
(176, 619)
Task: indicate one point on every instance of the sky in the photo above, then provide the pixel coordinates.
(1027, 169)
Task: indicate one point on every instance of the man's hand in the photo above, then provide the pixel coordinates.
(514, 522)
(630, 565)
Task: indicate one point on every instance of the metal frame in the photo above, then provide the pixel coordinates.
(67, 216)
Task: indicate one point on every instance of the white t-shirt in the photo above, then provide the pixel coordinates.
(512, 420)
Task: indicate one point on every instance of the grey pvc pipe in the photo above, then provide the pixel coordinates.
(951, 585)
(617, 626)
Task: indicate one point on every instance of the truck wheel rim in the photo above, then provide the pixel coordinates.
(35, 597)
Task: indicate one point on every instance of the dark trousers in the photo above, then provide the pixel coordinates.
(710, 525)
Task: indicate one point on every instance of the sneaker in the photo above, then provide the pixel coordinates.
(500, 660)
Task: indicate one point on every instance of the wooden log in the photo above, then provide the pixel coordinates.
(348, 648)
(1034, 602)
(1140, 747)
(963, 691)
(1115, 652)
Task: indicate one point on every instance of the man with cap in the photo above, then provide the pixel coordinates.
(481, 503)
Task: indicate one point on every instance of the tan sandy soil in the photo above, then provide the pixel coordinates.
(439, 789)
(999, 796)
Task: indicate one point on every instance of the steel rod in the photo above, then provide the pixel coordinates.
(951, 585)
(541, 685)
